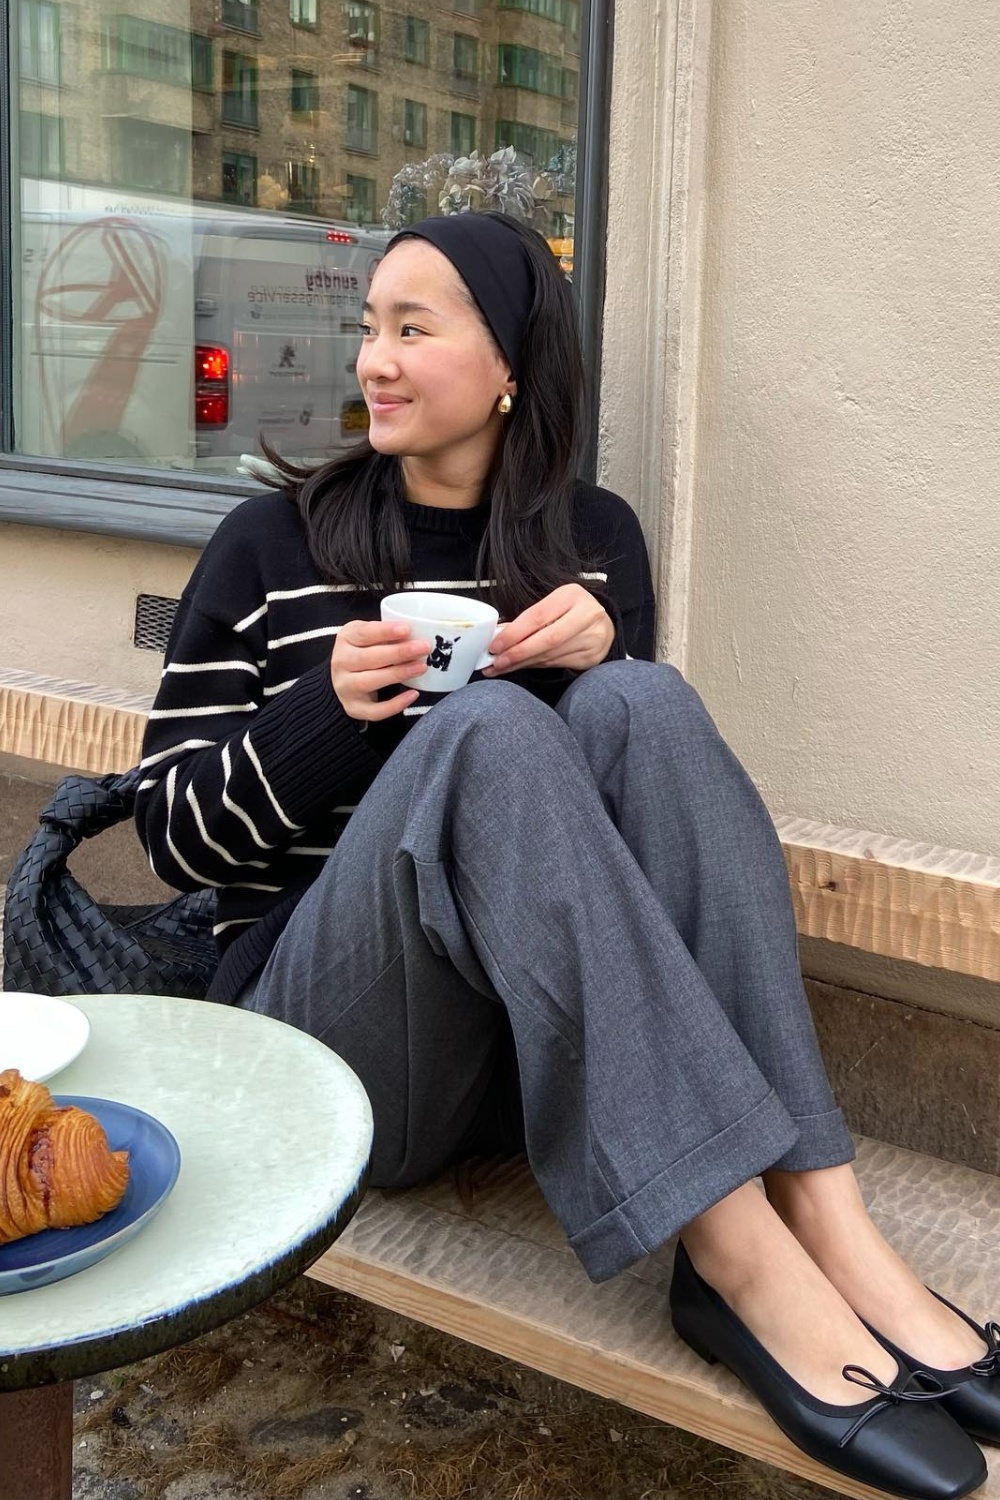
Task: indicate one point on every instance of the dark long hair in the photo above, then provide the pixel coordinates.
(352, 509)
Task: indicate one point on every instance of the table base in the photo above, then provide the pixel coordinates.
(36, 1443)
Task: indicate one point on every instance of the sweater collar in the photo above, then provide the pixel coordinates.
(444, 521)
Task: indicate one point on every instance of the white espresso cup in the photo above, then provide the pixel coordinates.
(459, 631)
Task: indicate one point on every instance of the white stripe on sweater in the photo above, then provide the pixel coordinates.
(255, 762)
(251, 618)
(210, 666)
(192, 801)
(280, 687)
(151, 760)
(233, 922)
(176, 854)
(203, 713)
(308, 849)
(234, 807)
(302, 635)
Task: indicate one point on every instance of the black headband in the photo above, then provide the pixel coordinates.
(494, 265)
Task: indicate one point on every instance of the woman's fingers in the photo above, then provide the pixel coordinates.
(568, 628)
(546, 613)
(382, 658)
(384, 708)
(369, 655)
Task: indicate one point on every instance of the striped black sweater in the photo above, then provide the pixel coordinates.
(251, 764)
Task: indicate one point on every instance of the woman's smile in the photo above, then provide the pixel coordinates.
(384, 403)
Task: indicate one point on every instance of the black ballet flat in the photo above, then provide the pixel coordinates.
(972, 1393)
(900, 1440)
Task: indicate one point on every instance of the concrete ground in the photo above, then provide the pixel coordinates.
(318, 1396)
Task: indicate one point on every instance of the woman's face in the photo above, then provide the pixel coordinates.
(429, 370)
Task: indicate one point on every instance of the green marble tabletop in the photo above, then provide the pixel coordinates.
(275, 1133)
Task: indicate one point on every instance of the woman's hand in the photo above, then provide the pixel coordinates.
(568, 628)
(372, 654)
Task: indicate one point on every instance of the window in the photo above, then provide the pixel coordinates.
(303, 186)
(361, 199)
(41, 140)
(40, 42)
(465, 58)
(463, 134)
(565, 13)
(148, 50)
(152, 157)
(305, 92)
(202, 62)
(239, 178)
(552, 10)
(241, 15)
(538, 145)
(330, 114)
(540, 72)
(239, 90)
(362, 119)
(414, 123)
(362, 29)
(416, 41)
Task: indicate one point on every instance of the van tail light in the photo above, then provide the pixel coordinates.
(211, 386)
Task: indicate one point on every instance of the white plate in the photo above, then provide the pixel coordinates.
(39, 1035)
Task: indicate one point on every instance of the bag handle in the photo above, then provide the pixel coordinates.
(83, 806)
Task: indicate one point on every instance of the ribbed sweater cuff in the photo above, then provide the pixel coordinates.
(311, 752)
(619, 650)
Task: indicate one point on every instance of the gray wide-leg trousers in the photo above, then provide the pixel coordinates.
(590, 902)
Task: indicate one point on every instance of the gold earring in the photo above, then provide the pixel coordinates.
(504, 404)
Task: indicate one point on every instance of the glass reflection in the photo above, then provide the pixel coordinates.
(207, 186)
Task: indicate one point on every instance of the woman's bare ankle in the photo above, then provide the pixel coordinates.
(827, 1215)
(745, 1252)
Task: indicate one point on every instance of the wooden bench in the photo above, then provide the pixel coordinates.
(481, 1257)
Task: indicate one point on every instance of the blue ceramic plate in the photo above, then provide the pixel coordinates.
(154, 1162)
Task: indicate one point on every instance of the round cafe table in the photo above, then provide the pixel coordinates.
(275, 1136)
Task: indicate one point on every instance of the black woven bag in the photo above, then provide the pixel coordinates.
(57, 940)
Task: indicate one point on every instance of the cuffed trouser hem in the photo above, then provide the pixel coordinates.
(824, 1141)
(671, 1199)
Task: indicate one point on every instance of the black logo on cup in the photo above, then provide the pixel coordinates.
(440, 657)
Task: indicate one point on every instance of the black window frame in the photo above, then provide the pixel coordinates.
(184, 508)
(303, 92)
(418, 56)
(413, 136)
(238, 160)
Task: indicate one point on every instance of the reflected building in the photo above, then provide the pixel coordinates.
(308, 106)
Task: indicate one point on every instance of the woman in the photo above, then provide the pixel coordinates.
(558, 917)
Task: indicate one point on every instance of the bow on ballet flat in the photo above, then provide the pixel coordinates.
(989, 1364)
(891, 1395)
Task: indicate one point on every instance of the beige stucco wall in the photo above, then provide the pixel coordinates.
(68, 603)
(845, 584)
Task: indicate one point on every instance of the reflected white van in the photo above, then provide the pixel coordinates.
(159, 334)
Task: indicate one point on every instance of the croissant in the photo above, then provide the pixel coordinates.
(56, 1168)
